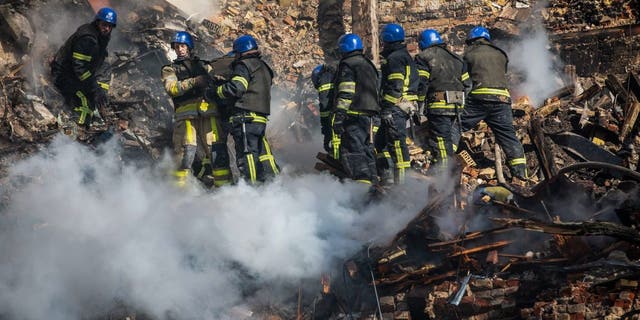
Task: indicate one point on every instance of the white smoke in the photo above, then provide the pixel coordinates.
(531, 57)
(81, 233)
(197, 9)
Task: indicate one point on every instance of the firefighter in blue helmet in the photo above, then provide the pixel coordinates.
(79, 71)
(322, 78)
(398, 96)
(355, 110)
(250, 89)
(443, 81)
(489, 99)
(197, 125)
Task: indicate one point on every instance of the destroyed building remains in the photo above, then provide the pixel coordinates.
(563, 246)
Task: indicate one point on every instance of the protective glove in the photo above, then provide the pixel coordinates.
(100, 99)
(339, 117)
(386, 119)
(328, 146)
(484, 195)
(201, 82)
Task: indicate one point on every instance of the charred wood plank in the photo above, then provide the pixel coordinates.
(588, 94)
(630, 119)
(469, 236)
(486, 247)
(585, 228)
(617, 88)
(545, 156)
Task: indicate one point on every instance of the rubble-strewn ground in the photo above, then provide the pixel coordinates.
(563, 245)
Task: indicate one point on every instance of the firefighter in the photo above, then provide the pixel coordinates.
(355, 110)
(489, 99)
(197, 125)
(443, 80)
(399, 97)
(250, 90)
(322, 78)
(78, 65)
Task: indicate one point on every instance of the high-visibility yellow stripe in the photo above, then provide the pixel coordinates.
(325, 87)
(252, 168)
(335, 140)
(189, 136)
(364, 181)
(85, 76)
(390, 98)
(220, 93)
(411, 97)
(424, 73)
(422, 98)
(221, 172)
(465, 76)
(498, 92)
(191, 107)
(104, 85)
(441, 105)
(399, 161)
(395, 76)
(343, 104)
(80, 56)
(442, 149)
(517, 161)
(242, 80)
(83, 108)
(215, 135)
(347, 86)
(405, 85)
(324, 114)
(269, 156)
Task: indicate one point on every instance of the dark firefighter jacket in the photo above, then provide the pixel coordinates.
(399, 75)
(78, 60)
(440, 70)
(487, 65)
(356, 85)
(250, 84)
(179, 82)
(324, 86)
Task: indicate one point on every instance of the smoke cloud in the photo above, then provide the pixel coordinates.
(82, 233)
(532, 58)
(197, 9)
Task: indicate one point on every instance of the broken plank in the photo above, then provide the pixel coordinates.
(485, 247)
(585, 228)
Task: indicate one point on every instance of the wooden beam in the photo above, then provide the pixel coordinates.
(585, 228)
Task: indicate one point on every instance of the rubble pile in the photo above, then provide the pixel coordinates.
(563, 245)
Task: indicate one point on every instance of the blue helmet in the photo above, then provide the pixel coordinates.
(479, 32)
(107, 15)
(315, 74)
(349, 42)
(244, 43)
(183, 37)
(428, 38)
(392, 33)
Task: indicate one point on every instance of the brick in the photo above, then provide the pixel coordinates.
(508, 303)
(576, 308)
(483, 283)
(497, 292)
(483, 294)
(624, 304)
(626, 283)
(402, 315)
(577, 316)
(499, 283)
(510, 290)
(561, 308)
(626, 295)
(526, 312)
(564, 316)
